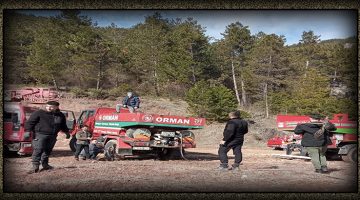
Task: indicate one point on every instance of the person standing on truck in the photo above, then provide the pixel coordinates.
(316, 140)
(234, 132)
(45, 125)
(131, 101)
(83, 138)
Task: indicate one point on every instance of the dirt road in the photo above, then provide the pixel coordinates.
(260, 172)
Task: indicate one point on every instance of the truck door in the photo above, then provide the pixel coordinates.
(70, 119)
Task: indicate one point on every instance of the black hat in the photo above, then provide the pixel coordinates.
(53, 103)
(316, 116)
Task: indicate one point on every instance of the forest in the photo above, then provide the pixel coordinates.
(173, 58)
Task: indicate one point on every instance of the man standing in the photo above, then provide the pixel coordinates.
(45, 125)
(83, 138)
(234, 132)
(315, 140)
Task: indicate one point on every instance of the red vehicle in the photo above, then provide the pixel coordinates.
(344, 139)
(15, 137)
(130, 134)
(19, 104)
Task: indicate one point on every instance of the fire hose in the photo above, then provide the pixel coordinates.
(181, 146)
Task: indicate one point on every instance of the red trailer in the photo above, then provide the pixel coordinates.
(129, 134)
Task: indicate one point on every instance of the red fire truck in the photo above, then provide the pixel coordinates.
(344, 139)
(133, 134)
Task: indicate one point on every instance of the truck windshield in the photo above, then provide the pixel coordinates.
(13, 116)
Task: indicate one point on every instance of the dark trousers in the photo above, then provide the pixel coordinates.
(223, 150)
(42, 147)
(80, 147)
(93, 151)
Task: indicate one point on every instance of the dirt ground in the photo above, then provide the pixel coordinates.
(260, 172)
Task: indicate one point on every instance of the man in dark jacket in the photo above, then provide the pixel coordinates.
(45, 125)
(316, 144)
(131, 101)
(234, 132)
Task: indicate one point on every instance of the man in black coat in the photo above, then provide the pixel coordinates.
(234, 132)
(45, 125)
(315, 142)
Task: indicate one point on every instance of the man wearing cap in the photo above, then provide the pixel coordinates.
(45, 125)
(234, 132)
(130, 101)
(316, 144)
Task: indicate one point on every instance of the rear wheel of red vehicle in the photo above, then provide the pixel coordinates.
(110, 150)
(351, 156)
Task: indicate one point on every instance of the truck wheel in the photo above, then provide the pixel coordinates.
(351, 156)
(72, 144)
(110, 150)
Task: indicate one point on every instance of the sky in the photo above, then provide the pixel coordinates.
(328, 24)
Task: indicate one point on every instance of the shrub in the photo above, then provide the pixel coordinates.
(78, 92)
(120, 90)
(211, 102)
(97, 94)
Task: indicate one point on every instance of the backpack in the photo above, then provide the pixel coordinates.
(319, 133)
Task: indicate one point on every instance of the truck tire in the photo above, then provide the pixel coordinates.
(72, 144)
(351, 156)
(110, 150)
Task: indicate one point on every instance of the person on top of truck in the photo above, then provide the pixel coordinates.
(131, 101)
(315, 141)
(45, 125)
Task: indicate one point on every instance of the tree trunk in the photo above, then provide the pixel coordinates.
(243, 92)
(156, 84)
(306, 66)
(192, 64)
(98, 77)
(266, 100)
(235, 84)
(266, 89)
(55, 83)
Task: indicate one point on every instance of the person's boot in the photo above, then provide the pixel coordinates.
(47, 167)
(235, 167)
(223, 167)
(35, 169)
(324, 169)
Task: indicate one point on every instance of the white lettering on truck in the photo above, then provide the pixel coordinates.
(110, 117)
(172, 120)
